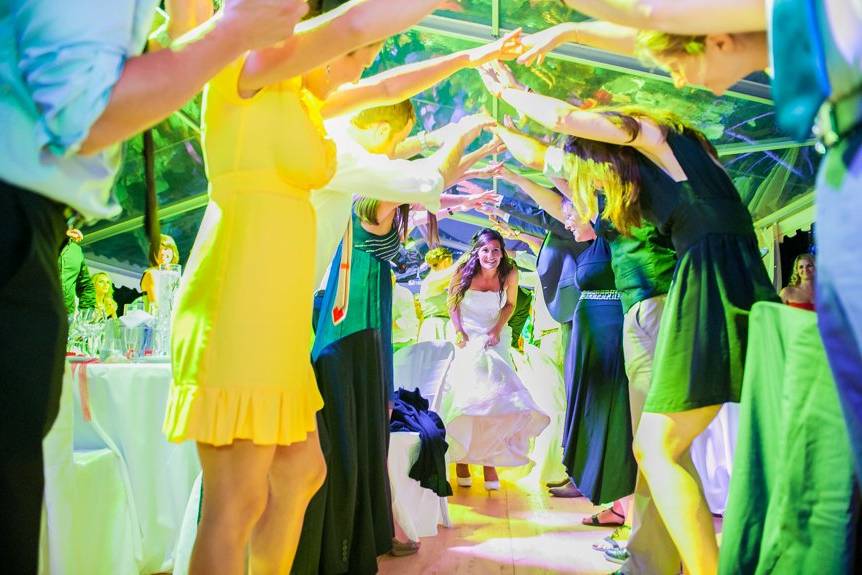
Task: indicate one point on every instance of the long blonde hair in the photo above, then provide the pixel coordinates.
(794, 275)
(614, 167)
(108, 304)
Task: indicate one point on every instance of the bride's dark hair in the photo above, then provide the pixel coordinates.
(468, 266)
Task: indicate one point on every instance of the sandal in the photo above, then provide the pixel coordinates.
(593, 520)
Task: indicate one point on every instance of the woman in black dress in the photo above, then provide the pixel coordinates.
(597, 431)
(650, 165)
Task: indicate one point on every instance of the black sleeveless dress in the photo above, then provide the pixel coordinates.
(719, 275)
(597, 437)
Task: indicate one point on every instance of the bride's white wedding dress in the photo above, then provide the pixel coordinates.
(490, 416)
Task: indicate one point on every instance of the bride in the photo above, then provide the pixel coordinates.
(490, 416)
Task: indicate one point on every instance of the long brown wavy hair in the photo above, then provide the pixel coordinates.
(468, 266)
(614, 168)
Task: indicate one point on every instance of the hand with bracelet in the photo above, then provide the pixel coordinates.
(461, 338)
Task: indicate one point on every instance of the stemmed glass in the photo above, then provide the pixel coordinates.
(89, 326)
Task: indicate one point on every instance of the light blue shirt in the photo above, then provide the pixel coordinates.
(59, 61)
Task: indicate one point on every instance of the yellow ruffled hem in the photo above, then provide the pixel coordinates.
(218, 416)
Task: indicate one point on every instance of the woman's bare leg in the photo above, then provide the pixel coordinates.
(297, 472)
(236, 486)
(662, 449)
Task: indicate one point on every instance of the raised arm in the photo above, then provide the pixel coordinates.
(149, 87)
(321, 39)
(406, 81)
(562, 117)
(449, 157)
(548, 200)
(676, 17)
(450, 204)
(527, 150)
(602, 35)
(533, 242)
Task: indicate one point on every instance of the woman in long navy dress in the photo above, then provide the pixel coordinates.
(598, 434)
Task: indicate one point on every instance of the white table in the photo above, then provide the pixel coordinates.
(127, 407)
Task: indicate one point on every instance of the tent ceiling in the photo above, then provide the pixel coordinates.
(770, 169)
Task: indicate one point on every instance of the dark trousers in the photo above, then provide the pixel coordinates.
(33, 330)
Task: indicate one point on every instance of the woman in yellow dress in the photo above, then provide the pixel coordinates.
(243, 386)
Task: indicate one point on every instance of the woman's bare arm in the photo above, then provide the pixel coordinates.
(679, 17)
(323, 38)
(511, 299)
(406, 81)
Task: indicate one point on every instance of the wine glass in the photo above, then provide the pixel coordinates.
(90, 327)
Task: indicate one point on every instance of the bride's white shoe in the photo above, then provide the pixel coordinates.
(465, 481)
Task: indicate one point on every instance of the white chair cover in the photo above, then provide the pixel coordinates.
(90, 525)
(418, 511)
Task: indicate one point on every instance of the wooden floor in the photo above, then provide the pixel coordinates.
(517, 530)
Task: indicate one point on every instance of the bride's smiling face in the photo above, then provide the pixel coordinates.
(490, 255)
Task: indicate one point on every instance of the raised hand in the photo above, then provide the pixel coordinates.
(506, 48)
(492, 170)
(481, 199)
(469, 188)
(262, 23)
(506, 174)
(506, 76)
(494, 146)
(505, 229)
(539, 44)
(474, 124)
(491, 80)
(498, 77)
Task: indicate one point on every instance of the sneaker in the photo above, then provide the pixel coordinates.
(621, 535)
(618, 556)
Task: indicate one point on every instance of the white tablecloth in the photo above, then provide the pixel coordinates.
(127, 401)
